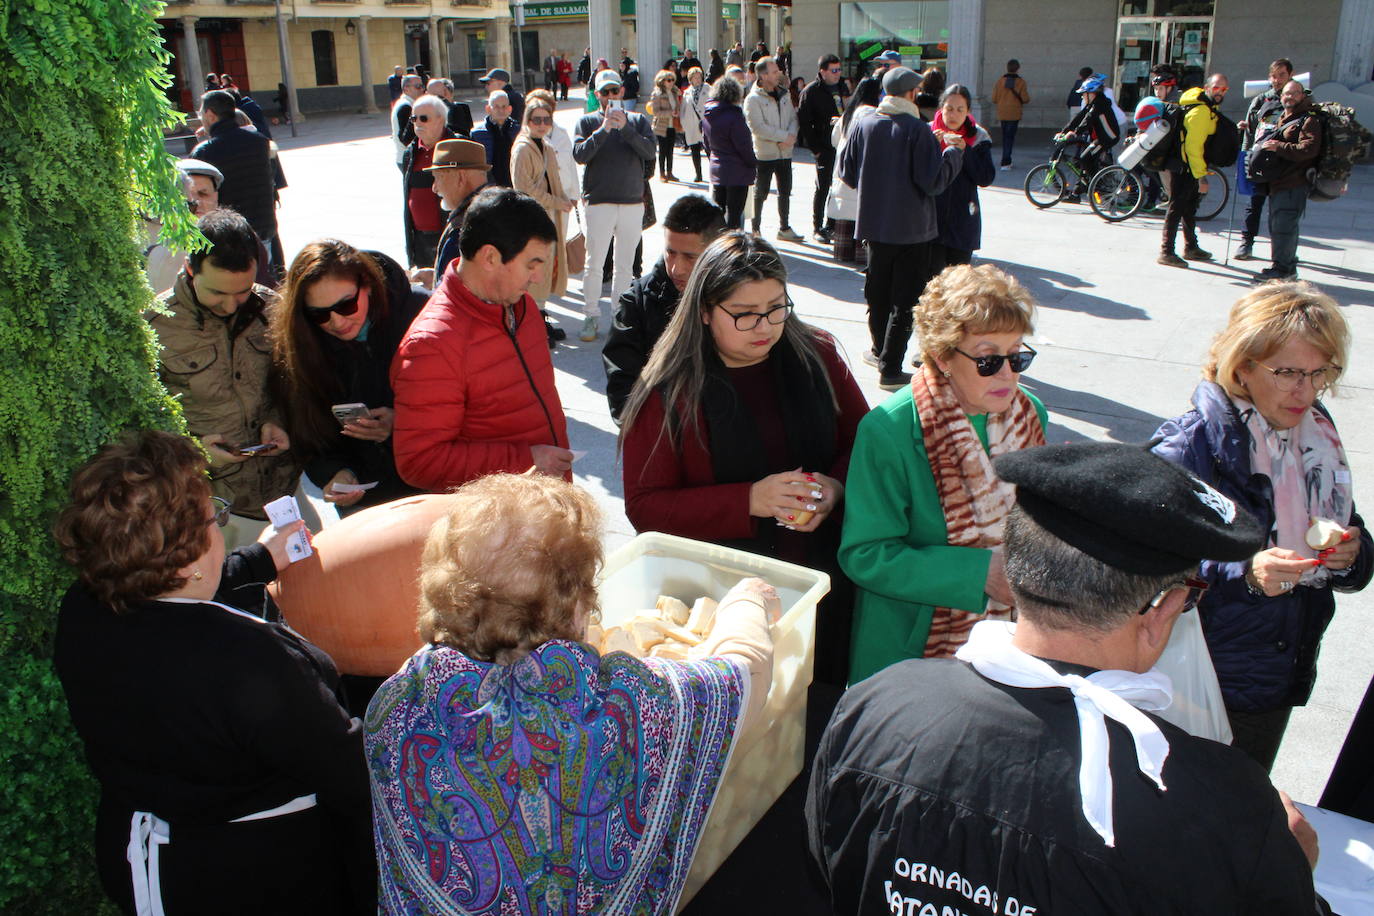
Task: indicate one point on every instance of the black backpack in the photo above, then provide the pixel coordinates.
(1222, 148)
(1165, 154)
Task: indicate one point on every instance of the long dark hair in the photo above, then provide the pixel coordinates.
(868, 92)
(304, 371)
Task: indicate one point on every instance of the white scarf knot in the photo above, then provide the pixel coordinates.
(1119, 695)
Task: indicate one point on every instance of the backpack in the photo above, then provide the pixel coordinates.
(1262, 165)
(1344, 141)
(1222, 148)
(1166, 153)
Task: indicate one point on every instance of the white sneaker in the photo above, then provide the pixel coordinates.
(1006, 168)
(590, 330)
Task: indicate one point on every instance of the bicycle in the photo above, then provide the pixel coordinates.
(1049, 183)
(1117, 193)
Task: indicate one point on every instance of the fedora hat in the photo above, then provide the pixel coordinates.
(459, 154)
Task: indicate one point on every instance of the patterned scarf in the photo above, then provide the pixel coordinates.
(565, 783)
(1307, 468)
(974, 500)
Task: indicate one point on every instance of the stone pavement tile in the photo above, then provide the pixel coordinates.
(1121, 338)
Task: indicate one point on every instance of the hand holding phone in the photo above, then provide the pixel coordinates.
(248, 451)
(347, 413)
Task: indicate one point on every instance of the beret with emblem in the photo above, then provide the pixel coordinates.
(1128, 507)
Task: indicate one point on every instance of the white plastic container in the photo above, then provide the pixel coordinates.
(1144, 142)
(768, 756)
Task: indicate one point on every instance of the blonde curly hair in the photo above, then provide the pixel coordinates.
(965, 299)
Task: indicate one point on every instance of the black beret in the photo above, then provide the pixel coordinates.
(1128, 507)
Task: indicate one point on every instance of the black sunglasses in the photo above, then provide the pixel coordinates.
(221, 516)
(423, 119)
(1195, 586)
(992, 364)
(343, 307)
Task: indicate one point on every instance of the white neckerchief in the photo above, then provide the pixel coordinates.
(1105, 693)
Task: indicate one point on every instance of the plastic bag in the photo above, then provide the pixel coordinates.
(1197, 708)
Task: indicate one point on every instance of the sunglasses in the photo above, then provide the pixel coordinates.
(423, 119)
(1195, 586)
(991, 364)
(540, 119)
(344, 307)
(221, 516)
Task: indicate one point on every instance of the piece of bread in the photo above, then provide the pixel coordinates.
(1324, 534)
(617, 640)
(802, 518)
(673, 610)
(703, 616)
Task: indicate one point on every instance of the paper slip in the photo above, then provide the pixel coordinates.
(282, 512)
(577, 453)
(353, 487)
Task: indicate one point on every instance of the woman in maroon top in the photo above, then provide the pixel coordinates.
(739, 429)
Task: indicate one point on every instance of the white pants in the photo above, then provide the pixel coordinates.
(605, 222)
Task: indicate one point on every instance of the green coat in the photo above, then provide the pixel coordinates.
(895, 546)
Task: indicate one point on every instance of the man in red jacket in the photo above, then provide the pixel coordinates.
(473, 379)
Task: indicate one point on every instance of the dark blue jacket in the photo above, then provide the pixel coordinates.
(1264, 649)
(896, 164)
(957, 209)
(249, 186)
(729, 144)
(498, 142)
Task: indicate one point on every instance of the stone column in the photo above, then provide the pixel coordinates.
(603, 24)
(966, 49)
(190, 52)
(438, 68)
(365, 66)
(708, 31)
(1353, 55)
(749, 26)
(653, 35)
(500, 53)
(774, 28)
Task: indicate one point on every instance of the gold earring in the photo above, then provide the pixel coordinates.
(196, 575)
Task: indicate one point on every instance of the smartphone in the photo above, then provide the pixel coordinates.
(347, 413)
(617, 105)
(254, 449)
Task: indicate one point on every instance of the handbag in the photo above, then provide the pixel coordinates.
(576, 247)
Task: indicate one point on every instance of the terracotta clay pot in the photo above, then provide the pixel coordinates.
(358, 595)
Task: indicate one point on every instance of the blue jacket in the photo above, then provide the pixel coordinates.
(896, 164)
(498, 142)
(729, 144)
(957, 209)
(1264, 649)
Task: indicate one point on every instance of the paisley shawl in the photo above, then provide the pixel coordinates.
(566, 783)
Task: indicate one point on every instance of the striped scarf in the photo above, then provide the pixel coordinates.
(975, 502)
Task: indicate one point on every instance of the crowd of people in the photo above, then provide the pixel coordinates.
(508, 767)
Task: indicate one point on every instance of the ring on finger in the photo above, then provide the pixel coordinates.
(1285, 586)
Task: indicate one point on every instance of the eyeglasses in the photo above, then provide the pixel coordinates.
(343, 307)
(992, 363)
(833, 70)
(423, 119)
(540, 119)
(1195, 586)
(1287, 380)
(747, 321)
(221, 516)
(609, 90)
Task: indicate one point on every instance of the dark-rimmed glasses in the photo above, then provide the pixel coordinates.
(1195, 586)
(991, 364)
(423, 119)
(221, 516)
(1287, 380)
(343, 307)
(747, 321)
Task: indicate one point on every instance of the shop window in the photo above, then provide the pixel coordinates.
(918, 31)
(477, 51)
(326, 72)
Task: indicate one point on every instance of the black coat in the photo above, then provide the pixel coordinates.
(957, 208)
(641, 317)
(244, 157)
(200, 715)
(459, 119)
(816, 106)
(927, 770)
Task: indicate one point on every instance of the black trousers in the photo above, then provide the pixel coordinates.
(695, 150)
(825, 173)
(1183, 200)
(1259, 734)
(896, 276)
(1253, 211)
(730, 198)
(767, 169)
(942, 256)
(665, 153)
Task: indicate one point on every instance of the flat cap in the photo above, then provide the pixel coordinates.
(1128, 507)
(200, 167)
(900, 81)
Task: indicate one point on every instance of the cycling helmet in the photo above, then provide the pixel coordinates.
(1093, 83)
(1150, 110)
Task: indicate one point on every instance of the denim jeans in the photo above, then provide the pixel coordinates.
(1008, 139)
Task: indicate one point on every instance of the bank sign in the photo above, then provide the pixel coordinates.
(577, 9)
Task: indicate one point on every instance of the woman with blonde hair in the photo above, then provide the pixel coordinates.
(693, 109)
(923, 530)
(1259, 433)
(665, 102)
(534, 170)
(515, 769)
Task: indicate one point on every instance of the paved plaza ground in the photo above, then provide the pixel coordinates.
(1120, 338)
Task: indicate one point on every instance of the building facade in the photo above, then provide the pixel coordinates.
(971, 40)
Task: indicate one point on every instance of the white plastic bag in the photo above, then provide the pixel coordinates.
(1197, 708)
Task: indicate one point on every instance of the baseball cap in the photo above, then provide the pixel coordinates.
(900, 81)
(891, 56)
(495, 73)
(607, 78)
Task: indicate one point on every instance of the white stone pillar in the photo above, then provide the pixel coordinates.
(653, 35)
(774, 28)
(190, 55)
(708, 31)
(966, 48)
(437, 68)
(749, 26)
(501, 55)
(1353, 56)
(603, 24)
(365, 66)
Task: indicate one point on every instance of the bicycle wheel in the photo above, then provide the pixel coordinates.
(1218, 193)
(1115, 193)
(1044, 186)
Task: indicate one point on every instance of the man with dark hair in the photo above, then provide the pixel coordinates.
(1009, 96)
(773, 126)
(473, 378)
(1264, 113)
(393, 83)
(821, 102)
(244, 157)
(689, 60)
(689, 226)
(1037, 772)
(215, 357)
(1075, 100)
